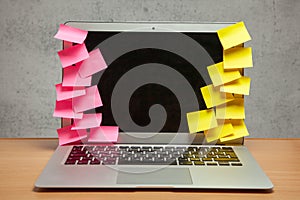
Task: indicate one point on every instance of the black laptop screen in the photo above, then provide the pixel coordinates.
(153, 78)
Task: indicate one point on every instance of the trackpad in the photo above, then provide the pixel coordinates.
(156, 176)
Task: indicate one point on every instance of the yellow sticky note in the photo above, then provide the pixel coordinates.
(201, 120)
(239, 86)
(238, 95)
(231, 110)
(238, 57)
(240, 130)
(233, 35)
(213, 97)
(219, 76)
(223, 130)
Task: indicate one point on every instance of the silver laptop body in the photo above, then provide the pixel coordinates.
(126, 38)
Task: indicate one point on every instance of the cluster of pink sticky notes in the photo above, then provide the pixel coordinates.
(93, 64)
(64, 109)
(88, 121)
(63, 93)
(66, 135)
(104, 134)
(89, 101)
(73, 98)
(73, 54)
(72, 78)
(71, 34)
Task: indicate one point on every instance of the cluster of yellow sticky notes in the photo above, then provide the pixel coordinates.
(238, 57)
(201, 120)
(233, 35)
(232, 110)
(213, 97)
(240, 130)
(226, 93)
(223, 130)
(219, 76)
(239, 86)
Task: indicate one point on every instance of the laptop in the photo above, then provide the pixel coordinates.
(154, 75)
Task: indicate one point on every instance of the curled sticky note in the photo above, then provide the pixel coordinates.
(73, 54)
(222, 130)
(66, 135)
(240, 130)
(88, 101)
(219, 76)
(72, 78)
(213, 97)
(104, 134)
(93, 64)
(71, 34)
(64, 109)
(88, 121)
(63, 93)
(239, 86)
(238, 57)
(231, 110)
(201, 120)
(233, 35)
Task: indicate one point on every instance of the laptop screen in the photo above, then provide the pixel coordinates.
(153, 78)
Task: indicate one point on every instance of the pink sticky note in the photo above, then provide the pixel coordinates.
(63, 93)
(104, 134)
(65, 109)
(73, 54)
(88, 121)
(93, 64)
(71, 77)
(66, 135)
(71, 34)
(88, 101)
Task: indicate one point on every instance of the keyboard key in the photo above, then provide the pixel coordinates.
(226, 149)
(70, 162)
(181, 149)
(223, 163)
(211, 163)
(192, 148)
(211, 156)
(99, 148)
(95, 162)
(88, 148)
(227, 159)
(182, 159)
(231, 154)
(76, 148)
(199, 163)
(82, 162)
(207, 159)
(123, 147)
(223, 156)
(185, 163)
(236, 164)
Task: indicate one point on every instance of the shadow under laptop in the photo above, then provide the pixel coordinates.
(130, 190)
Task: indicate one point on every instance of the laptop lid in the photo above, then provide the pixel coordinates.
(154, 75)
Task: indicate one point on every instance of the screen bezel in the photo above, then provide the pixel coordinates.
(189, 27)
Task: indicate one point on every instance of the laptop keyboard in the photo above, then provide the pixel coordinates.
(153, 155)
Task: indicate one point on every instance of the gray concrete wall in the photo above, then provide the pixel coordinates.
(29, 66)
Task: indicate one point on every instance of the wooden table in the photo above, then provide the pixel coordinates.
(22, 160)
